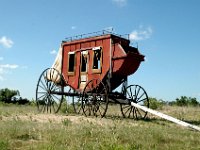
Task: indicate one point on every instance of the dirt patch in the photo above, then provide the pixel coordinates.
(57, 118)
(53, 118)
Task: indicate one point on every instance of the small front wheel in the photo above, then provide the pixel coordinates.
(136, 94)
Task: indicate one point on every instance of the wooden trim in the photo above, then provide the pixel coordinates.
(96, 71)
(115, 58)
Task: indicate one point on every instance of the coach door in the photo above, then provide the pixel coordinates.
(84, 69)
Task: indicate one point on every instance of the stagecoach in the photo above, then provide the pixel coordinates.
(88, 71)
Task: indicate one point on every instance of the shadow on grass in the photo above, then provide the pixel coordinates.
(194, 122)
(147, 119)
(152, 120)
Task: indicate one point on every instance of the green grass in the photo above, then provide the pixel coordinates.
(111, 133)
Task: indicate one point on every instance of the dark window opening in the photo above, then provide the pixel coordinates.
(71, 62)
(130, 49)
(97, 59)
(84, 63)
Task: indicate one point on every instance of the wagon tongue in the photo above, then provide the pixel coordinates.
(164, 116)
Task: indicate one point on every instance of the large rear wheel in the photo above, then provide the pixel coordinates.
(49, 91)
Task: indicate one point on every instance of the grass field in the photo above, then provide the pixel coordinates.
(21, 127)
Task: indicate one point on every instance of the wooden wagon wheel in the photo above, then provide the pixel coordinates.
(136, 94)
(49, 91)
(95, 98)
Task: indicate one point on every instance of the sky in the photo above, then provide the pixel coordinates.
(167, 32)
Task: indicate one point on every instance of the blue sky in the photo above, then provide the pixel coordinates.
(167, 32)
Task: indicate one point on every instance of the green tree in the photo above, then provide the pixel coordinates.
(182, 101)
(6, 94)
(193, 101)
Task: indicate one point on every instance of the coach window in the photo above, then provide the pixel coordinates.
(71, 63)
(84, 61)
(97, 52)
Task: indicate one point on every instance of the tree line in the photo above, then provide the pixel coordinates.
(182, 101)
(12, 96)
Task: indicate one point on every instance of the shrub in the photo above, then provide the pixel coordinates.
(186, 101)
(154, 103)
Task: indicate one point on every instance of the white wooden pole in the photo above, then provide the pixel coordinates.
(167, 117)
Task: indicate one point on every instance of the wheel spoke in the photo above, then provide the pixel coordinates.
(56, 97)
(43, 103)
(42, 92)
(100, 112)
(52, 87)
(137, 110)
(41, 96)
(56, 88)
(44, 88)
(51, 100)
(46, 80)
(130, 112)
(142, 100)
(133, 112)
(102, 91)
(124, 107)
(131, 93)
(141, 96)
(137, 92)
(128, 109)
(130, 97)
(87, 109)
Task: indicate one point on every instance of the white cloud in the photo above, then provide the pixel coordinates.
(53, 52)
(1, 58)
(1, 70)
(73, 27)
(24, 67)
(120, 3)
(6, 42)
(9, 66)
(1, 73)
(4, 69)
(141, 34)
(1, 78)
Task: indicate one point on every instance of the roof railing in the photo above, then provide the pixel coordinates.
(93, 34)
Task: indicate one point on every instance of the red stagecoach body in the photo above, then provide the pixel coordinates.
(96, 57)
(87, 70)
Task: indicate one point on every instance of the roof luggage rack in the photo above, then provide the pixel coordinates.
(93, 34)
